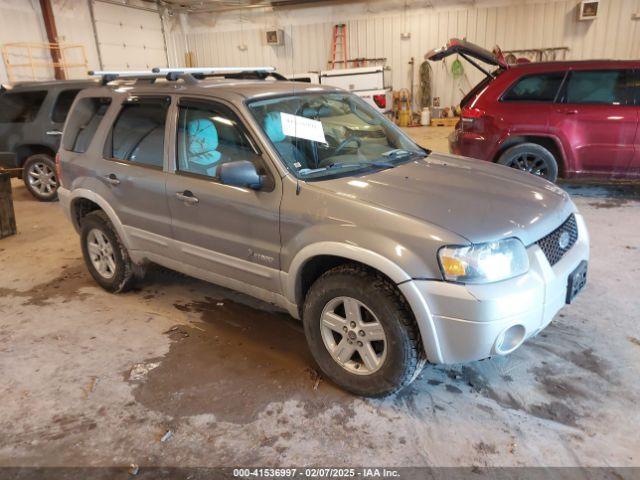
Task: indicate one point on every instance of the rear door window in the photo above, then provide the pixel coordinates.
(62, 105)
(137, 136)
(541, 87)
(21, 107)
(607, 87)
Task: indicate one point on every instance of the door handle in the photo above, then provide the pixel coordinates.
(570, 112)
(55, 133)
(112, 179)
(187, 197)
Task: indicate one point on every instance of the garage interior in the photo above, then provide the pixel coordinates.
(183, 373)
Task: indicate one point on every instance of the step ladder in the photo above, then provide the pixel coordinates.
(339, 46)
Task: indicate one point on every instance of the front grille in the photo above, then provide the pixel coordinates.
(552, 246)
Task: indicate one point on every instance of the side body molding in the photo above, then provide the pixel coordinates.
(291, 285)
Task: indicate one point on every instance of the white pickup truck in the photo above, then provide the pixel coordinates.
(366, 82)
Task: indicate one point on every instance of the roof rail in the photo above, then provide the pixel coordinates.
(111, 75)
(212, 70)
(227, 72)
(190, 74)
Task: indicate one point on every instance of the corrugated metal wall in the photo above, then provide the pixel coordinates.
(517, 25)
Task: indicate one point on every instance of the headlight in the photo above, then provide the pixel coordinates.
(484, 262)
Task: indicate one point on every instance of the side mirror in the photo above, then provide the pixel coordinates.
(242, 173)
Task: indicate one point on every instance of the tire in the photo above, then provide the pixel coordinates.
(400, 356)
(39, 176)
(532, 158)
(107, 258)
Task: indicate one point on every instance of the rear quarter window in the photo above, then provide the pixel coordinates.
(83, 123)
(63, 104)
(21, 107)
(540, 87)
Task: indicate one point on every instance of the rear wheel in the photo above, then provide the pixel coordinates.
(39, 175)
(531, 158)
(361, 332)
(104, 254)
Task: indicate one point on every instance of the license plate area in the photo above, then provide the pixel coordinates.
(576, 281)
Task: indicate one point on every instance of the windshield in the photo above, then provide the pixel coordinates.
(327, 134)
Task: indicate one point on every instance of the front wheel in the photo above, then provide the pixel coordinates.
(361, 332)
(39, 176)
(531, 158)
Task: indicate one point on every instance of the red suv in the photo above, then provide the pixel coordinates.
(551, 119)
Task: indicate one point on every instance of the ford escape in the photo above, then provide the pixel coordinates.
(390, 255)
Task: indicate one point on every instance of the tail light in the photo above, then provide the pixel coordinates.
(58, 169)
(380, 101)
(470, 117)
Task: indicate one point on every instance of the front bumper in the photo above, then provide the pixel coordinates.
(463, 323)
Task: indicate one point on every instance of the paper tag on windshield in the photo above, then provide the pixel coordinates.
(301, 127)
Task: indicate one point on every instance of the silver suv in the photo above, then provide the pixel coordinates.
(304, 196)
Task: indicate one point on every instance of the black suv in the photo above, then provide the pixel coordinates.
(31, 118)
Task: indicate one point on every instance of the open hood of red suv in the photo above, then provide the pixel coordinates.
(467, 50)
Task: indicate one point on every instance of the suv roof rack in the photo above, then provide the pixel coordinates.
(190, 74)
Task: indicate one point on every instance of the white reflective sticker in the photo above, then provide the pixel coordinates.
(301, 127)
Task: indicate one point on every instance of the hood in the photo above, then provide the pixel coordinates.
(477, 200)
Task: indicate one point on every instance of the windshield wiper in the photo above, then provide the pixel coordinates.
(362, 164)
(398, 153)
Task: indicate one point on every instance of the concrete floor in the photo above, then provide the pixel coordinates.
(90, 378)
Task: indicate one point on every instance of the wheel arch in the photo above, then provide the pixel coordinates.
(549, 142)
(312, 261)
(83, 201)
(25, 151)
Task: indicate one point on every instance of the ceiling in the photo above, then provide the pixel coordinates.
(213, 6)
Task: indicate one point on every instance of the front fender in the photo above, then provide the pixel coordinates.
(351, 252)
(397, 274)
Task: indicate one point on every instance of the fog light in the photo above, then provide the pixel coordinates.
(509, 339)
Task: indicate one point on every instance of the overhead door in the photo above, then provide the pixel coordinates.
(128, 37)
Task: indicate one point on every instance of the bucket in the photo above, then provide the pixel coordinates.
(403, 118)
(425, 116)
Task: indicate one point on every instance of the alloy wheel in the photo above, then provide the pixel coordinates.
(530, 162)
(353, 335)
(101, 253)
(42, 179)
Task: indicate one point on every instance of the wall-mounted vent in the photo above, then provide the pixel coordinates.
(588, 9)
(274, 37)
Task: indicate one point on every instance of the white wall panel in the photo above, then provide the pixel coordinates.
(518, 24)
(128, 38)
(20, 21)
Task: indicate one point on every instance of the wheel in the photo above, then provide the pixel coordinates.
(39, 175)
(104, 254)
(532, 158)
(361, 332)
